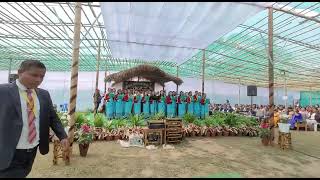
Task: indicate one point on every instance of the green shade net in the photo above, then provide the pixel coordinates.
(305, 98)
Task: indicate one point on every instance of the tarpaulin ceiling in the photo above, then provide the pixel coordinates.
(171, 31)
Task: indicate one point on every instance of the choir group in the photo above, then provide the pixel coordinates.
(123, 103)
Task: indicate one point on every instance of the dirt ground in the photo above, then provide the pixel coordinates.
(195, 157)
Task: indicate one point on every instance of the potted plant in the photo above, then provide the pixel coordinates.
(284, 126)
(265, 133)
(85, 137)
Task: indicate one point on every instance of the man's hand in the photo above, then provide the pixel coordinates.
(65, 144)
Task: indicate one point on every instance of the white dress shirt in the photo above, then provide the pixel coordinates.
(23, 141)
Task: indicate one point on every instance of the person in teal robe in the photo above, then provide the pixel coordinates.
(174, 102)
(162, 103)
(190, 103)
(109, 99)
(119, 104)
(196, 106)
(153, 103)
(170, 105)
(137, 103)
(181, 104)
(204, 106)
(128, 100)
(146, 104)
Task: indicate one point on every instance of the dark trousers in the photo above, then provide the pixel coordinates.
(20, 165)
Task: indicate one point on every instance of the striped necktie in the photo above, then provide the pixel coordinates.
(31, 117)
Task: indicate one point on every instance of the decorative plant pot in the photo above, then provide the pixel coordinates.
(83, 149)
(284, 127)
(116, 137)
(225, 133)
(265, 141)
(108, 138)
(208, 134)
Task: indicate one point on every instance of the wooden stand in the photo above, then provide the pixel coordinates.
(59, 152)
(173, 130)
(151, 132)
(284, 140)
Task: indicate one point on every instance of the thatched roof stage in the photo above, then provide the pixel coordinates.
(149, 72)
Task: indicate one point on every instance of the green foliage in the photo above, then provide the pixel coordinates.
(136, 120)
(158, 116)
(231, 119)
(198, 122)
(109, 125)
(189, 118)
(264, 132)
(120, 122)
(80, 119)
(99, 120)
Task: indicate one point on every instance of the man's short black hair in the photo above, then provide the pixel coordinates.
(27, 64)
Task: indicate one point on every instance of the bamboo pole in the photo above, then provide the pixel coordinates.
(97, 77)
(270, 52)
(74, 75)
(239, 94)
(105, 76)
(285, 91)
(177, 77)
(203, 64)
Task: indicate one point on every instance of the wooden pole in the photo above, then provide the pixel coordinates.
(97, 77)
(203, 64)
(285, 90)
(9, 70)
(74, 74)
(239, 94)
(270, 51)
(177, 77)
(105, 76)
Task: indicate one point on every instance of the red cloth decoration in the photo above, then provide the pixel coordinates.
(188, 99)
(168, 100)
(195, 97)
(203, 101)
(107, 97)
(179, 100)
(126, 97)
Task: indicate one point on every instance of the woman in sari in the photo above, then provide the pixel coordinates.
(196, 106)
(127, 99)
(153, 103)
(162, 103)
(190, 103)
(109, 104)
(146, 104)
(119, 104)
(170, 105)
(296, 118)
(181, 104)
(137, 103)
(204, 106)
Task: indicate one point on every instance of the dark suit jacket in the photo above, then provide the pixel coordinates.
(11, 122)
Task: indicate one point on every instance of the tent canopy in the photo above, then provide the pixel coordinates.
(44, 31)
(172, 31)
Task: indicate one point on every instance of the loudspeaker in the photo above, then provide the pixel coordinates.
(252, 91)
(13, 77)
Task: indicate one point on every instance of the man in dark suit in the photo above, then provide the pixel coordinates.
(26, 113)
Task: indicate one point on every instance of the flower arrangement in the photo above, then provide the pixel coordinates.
(85, 134)
(264, 131)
